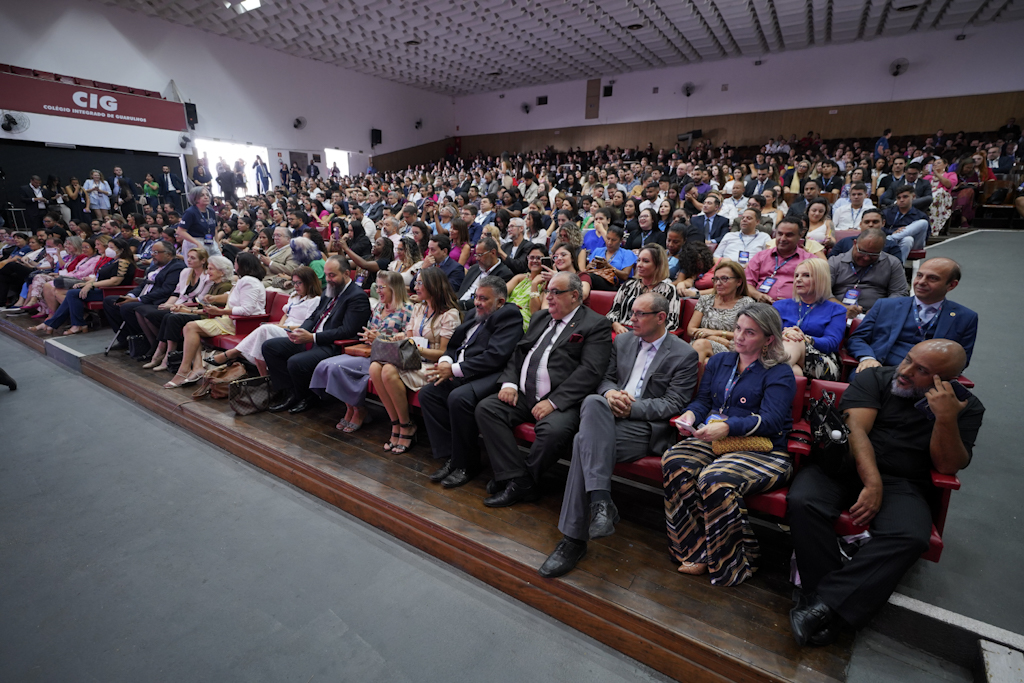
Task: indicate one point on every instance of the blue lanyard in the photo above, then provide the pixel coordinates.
(803, 314)
(424, 321)
(733, 378)
(778, 267)
(744, 242)
(923, 327)
(861, 273)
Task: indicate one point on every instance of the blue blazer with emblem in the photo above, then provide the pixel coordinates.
(719, 226)
(880, 329)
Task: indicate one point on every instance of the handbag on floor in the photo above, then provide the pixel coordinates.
(830, 437)
(216, 382)
(250, 395)
(404, 355)
(138, 346)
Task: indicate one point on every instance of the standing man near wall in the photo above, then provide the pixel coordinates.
(171, 187)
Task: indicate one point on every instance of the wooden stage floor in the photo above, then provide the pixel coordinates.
(626, 593)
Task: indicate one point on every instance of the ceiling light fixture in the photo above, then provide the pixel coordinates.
(494, 73)
(412, 43)
(634, 27)
(244, 6)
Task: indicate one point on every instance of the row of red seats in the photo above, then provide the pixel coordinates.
(71, 80)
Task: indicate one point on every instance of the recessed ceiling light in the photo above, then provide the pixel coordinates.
(244, 6)
(412, 42)
(635, 27)
(494, 73)
(907, 8)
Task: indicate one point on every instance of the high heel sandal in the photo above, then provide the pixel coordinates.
(155, 361)
(394, 435)
(398, 449)
(213, 360)
(189, 379)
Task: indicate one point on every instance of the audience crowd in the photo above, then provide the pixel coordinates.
(495, 269)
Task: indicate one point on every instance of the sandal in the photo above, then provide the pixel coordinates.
(43, 327)
(398, 449)
(189, 379)
(155, 361)
(352, 427)
(212, 360)
(693, 568)
(394, 435)
(75, 330)
(343, 425)
(159, 368)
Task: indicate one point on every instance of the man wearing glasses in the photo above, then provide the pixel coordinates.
(559, 362)
(650, 378)
(865, 274)
(487, 263)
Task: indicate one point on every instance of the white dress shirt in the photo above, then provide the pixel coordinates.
(644, 358)
(543, 378)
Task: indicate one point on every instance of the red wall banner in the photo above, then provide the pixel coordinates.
(24, 93)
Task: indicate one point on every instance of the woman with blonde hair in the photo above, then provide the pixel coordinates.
(97, 195)
(813, 324)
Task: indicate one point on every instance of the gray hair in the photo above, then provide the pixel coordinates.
(75, 241)
(496, 285)
(196, 192)
(393, 222)
(768, 319)
(575, 283)
(223, 264)
(518, 222)
(305, 250)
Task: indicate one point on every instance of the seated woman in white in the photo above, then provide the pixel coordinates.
(304, 299)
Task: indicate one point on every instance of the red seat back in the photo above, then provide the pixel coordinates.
(688, 308)
(601, 302)
(819, 385)
(798, 399)
(276, 306)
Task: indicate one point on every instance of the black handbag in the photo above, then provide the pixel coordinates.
(138, 346)
(830, 437)
(404, 355)
(248, 396)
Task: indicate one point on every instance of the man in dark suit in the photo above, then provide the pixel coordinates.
(171, 188)
(922, 189)
(894, 325)
(161, 280)
(557, 364)
(117, 181)
(343, 312)
(477, 352)
(437, 255)
(312, 170)
(513, 253)
(812, 190)
(487, 263)
(757, 185)
(708, 227)
(650, 378)
(34, 198)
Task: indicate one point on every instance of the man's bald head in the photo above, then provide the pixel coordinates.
(916, 374)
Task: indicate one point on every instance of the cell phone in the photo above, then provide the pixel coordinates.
(684, 427)
(547, 262)
(962, 394)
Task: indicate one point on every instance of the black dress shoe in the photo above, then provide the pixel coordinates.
(515, 492)
(459, 477)
(809, 620)
(566, 556)
(287, 402)
(303, 405)
(603, 516)
(494, 487)
(7, 380)
(440, 474)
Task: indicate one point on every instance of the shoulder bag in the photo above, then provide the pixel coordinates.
(250, 395)
(403, 354)
(830, 437)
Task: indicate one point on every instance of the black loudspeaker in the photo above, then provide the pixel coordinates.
(191, 115)
(375, 137)
(697, 133)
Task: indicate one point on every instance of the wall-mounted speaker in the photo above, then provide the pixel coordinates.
(191, 115)
(375, 137)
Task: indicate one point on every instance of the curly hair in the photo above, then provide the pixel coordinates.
(695, 259)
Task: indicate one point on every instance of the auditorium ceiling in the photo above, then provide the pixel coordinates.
(458, 47)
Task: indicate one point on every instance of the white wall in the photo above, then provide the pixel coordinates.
(989, 61)
(243, 93)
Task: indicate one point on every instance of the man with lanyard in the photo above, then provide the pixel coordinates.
(738, 246)
(866, 274)
(770, 271)
(847, 217)
(733, 205)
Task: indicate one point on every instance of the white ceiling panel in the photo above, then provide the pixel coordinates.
(547, 41)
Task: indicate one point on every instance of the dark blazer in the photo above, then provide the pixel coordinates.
(517, 264)
(787, 178)
(922, 195)
(348, 318)
(164, 284)
(501, 270)
(752, 185)
(179, 186)
(29, 201)
(455, 271)
(492, 345)
(667, 388)
(577, 361)
(636, 238)
(880, 329)
(798, 207)
(698, 230)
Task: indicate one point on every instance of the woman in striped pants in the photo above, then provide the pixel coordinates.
(745, 393)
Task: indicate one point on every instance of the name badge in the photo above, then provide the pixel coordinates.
(851, 297)
(767, 285)
(744, 257)
(359, 281)
(716, 417)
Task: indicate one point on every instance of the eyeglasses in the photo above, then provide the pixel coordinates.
(640, 314)
(869, 254)
(557, 292)
(722, 278)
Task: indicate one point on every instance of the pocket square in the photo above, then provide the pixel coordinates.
(575, 338)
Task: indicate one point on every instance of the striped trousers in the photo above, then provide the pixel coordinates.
(704, 512)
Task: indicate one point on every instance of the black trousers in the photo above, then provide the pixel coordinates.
(124, 313)
(291, 366)
(497, 419)
(451, 424)
(900, 533)
(12, 277)
(172, 324)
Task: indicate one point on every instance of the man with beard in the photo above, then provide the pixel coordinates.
(904, 422)
(894, 325)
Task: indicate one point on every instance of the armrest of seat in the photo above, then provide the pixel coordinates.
(847, 359)
(346, 342)
(945, 481)
(245, 324)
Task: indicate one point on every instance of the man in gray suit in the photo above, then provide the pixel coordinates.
(650, 378)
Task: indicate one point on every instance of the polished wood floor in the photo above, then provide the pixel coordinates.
(625, 593)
